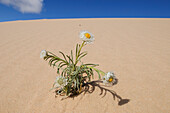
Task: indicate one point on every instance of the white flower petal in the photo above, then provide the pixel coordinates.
(60, 81)
(83, 37)
(109, 74)
(109, 78)
(43, 53)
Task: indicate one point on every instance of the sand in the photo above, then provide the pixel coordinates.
(137, 50)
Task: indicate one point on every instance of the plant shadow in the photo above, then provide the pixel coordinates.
(90, 87)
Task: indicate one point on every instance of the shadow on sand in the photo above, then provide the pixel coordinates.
(91, 86)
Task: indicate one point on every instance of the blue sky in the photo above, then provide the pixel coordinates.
(11, 10)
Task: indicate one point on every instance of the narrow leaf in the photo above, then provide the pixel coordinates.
(82, 56)
(63, 56)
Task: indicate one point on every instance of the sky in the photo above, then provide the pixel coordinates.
(11, 10)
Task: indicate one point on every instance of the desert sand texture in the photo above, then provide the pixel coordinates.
(137, 50)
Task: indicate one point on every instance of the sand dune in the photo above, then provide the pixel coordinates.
(137, 50)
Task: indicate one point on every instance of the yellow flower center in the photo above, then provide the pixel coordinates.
(60, 81)
(87, 35)
(110, 79)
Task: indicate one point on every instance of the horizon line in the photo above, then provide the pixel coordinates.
(84, 18)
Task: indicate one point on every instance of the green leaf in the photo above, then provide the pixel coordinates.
(46, 57)
(58, 67)
(51, 60)
(63, 65)
(52, 54)
(72, 55)
(82, 53)
(98, 74)
(77, 50)
(91, 65)
(75, 84)
(87, 72)
(82, 56)
(54, 64)
(64, 72)
(63, 56)
(78, 83)
(70, 59)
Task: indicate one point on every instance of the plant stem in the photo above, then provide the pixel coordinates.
(103, 73)
(76, 61)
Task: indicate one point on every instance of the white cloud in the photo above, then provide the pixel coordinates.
(25, 6)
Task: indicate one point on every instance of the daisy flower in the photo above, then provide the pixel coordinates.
(86, 36)
(109, 78)
(43, 53)
(60, 82)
